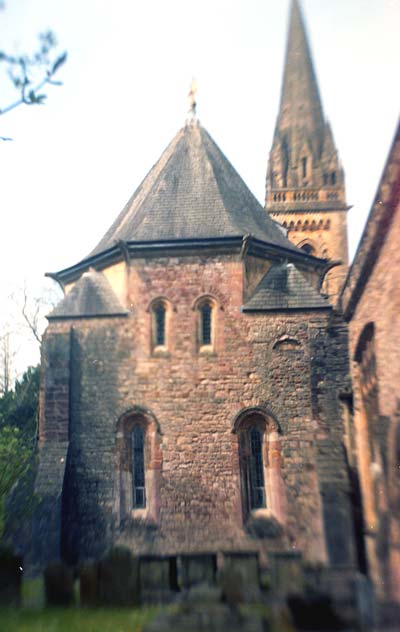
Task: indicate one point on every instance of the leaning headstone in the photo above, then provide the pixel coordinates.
(10, 577)
(243, 565)
(287, 573)
(89, 584)
(118, 579)
(197, 568)
(59, 584)
(158, 578)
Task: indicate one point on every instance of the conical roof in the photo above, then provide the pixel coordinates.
(91, 296)
(284, 287)
(300, 106)
(192, 192)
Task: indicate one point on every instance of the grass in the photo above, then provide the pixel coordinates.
(75, 619)
(33, 617)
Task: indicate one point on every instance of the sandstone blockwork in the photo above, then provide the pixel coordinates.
(371, 303)
(278, 372)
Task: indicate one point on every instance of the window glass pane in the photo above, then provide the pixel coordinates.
(139, 492)
(257, 499)
(159, 315)
(206, 324)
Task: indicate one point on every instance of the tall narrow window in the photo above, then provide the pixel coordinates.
(304, 167)
(256, 470)
(160, 311)
(159, 317)
(138, 479)
(206, 324)
(333, 177)
(262, 490)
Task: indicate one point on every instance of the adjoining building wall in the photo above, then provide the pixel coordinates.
(279, 370)
(371, 302)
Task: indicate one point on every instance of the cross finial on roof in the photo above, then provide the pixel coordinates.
(192, 99)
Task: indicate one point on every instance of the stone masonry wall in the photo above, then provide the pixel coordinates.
(380, 304)
(54, 434)
(290, 364)
(327, 233)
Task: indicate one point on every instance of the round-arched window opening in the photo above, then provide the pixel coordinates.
(308, 249)
(159, 318)
(138, 480)
(206, 324)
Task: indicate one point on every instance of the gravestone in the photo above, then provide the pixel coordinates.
(197, 568)
(242, 569)
(59, 584)
(89, 584)
(10, 578)
(158, 578)
(118, 579)
(287, 573)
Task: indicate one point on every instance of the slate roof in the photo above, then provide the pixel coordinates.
(92, 296)
(192, 192)
(284, 287)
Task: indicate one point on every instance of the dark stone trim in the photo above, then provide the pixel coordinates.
(183, 247)
(260, 310)
(80, 316)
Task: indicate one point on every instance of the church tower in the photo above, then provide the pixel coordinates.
(305, 189)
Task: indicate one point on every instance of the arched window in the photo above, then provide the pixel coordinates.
(138, 477)
(308, 249)
(259, 461)
(333, 178)
(139, 460)
(304, 167)
(252, 468)
(205, 308)
(206, 324)
(372, 453)
(256, 470)
(160, 316)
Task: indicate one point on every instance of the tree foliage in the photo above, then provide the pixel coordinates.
(18, 424)
(14, 459)
(18, 407)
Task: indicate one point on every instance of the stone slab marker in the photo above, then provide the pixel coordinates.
(118, 579)
(198, 569)
(287, 572)
(158, 578)
(242, 568)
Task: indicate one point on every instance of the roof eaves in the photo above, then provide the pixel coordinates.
(83, 316)
(374, 233)
(303, 308)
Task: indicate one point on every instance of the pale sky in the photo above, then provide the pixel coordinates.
(74, 162)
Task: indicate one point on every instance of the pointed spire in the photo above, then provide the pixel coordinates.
(301, 106)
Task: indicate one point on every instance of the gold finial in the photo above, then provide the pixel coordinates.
(192, 99)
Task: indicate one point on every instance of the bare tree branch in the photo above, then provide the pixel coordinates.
(29, 74)
(31, 317)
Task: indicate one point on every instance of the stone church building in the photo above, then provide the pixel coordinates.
(192, 373)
